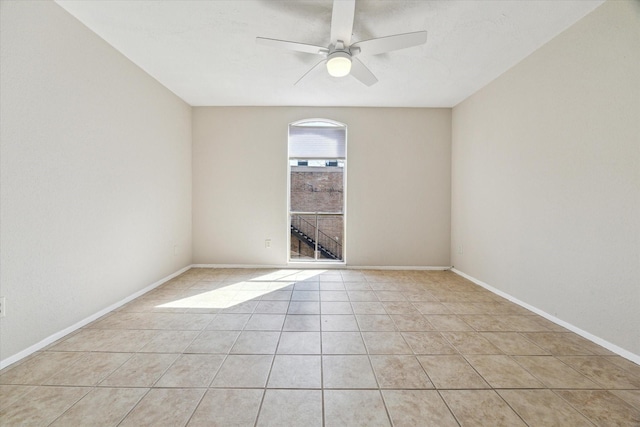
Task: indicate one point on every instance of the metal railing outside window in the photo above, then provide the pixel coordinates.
(314, 228)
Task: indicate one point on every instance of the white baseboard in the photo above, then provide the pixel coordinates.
(324, 266)
(604, 343)
(53, 338)
(401, 267)
(246, 266)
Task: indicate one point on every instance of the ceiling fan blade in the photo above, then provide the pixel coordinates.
(342, 20)
(390, 43)
(298, 47)
(362, 73)
(310, 70)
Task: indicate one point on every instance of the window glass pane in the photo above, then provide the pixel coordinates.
(327, 229)
(317, 187)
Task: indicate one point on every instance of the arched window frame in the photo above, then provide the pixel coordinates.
(339, 156)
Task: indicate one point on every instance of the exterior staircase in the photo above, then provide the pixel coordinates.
(305, 232)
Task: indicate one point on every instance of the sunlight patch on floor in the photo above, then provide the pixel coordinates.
(236, 293)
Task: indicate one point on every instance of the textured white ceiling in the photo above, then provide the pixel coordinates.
(205, 50)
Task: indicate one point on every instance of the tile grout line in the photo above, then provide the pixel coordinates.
(321, 357)
(134, 406)
(448, 407)
(71, 406)
(384, 401)
(375, 376)
(573, 406)
(273, 360)
(195, 409)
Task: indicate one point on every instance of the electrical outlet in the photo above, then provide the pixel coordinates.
(460, 250)
(175, 250)
(267, 243)
(3, 306)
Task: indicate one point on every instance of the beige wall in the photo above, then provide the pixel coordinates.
(546, 178)
(398, 184)
(95, 171)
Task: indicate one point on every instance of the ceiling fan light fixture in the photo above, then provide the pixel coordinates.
(339, 64)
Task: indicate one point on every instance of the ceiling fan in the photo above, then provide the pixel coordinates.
(340, 55)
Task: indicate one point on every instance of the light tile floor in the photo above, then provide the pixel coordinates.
(312, 348)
